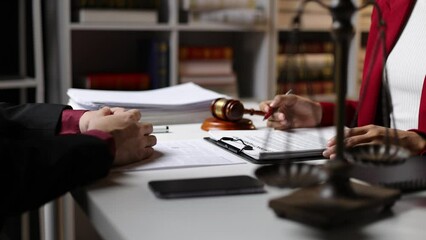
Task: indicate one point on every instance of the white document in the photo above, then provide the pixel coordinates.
(183, 96)
(184, 103)
(275, 144)
(183, 154)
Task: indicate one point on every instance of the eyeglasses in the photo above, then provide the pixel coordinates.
(246, 146)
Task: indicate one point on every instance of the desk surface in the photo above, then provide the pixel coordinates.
(122, 207)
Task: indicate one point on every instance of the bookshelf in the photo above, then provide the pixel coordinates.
(29, 72)
(252, 60)
(87, 47)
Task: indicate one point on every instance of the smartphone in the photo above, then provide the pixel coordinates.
(202, 187)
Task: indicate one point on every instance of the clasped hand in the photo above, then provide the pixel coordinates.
(132, 138)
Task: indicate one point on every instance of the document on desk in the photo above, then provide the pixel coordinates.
(184, 154)
(274, 146)
(183, 103)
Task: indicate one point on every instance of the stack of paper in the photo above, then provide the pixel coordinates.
(185, 103)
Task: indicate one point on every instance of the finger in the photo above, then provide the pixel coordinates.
(278, 116)
(281, 125)
(145, 128)
(264, 106)
(331, 142)
(152, 141)
(277, 101)
(357, 130)
(329, 151)
(359, 139)
(104, 111)
(135, 114)
(117, 110)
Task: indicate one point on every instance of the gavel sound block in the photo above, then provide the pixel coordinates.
(228, 115)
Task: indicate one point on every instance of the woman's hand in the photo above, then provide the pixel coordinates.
(292, 111)
(373, 134)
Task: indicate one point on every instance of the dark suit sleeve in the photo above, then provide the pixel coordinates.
(33, 172)
(30, 120)
(37, 166)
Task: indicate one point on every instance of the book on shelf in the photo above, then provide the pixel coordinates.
(155, 61)
(207, 52)
(146, 4)
(307, 21)
(209, 79)
(310, 7)
(210, 5)
(224, 84)
(205, 67)
(306, 47)
(230, 16)
(313, 87)
(118, 81)
(306, 62)
(245, 12)
(103, 11)
(117, 16)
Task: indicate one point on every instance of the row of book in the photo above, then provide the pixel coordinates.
(120, 11)
(210, 67)
(306, 47)
(307, 87)
(243, 12)
(314, 15)
(153, 74)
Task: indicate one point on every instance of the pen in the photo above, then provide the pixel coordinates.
(160, 129)
(272, 110)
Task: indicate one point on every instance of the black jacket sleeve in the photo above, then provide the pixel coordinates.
(37, 166)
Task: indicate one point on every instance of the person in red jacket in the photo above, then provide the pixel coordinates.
(405, 43)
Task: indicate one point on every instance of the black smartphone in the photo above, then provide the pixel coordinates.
(201, 187)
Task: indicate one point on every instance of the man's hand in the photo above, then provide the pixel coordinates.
(133, 141)
(91, 115)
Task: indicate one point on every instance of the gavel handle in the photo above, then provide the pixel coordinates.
(254, 112)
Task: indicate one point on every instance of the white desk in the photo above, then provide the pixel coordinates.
(122, 207)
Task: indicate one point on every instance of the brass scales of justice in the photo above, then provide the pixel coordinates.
(326, 197)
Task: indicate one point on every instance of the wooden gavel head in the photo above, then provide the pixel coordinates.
(230, 109)
(227, 109)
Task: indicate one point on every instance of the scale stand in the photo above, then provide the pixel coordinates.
(334, 202)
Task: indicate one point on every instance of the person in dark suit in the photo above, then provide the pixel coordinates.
(47, 150)
(405, 35)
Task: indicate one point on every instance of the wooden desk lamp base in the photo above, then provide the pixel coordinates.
(217, 124)
(313, 206)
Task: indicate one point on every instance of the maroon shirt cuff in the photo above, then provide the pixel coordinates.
(70, 125)
(70, 121)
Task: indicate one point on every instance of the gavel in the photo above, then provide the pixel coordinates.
(231, 110)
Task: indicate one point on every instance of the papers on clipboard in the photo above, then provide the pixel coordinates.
(184, 103)
(274, 146)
